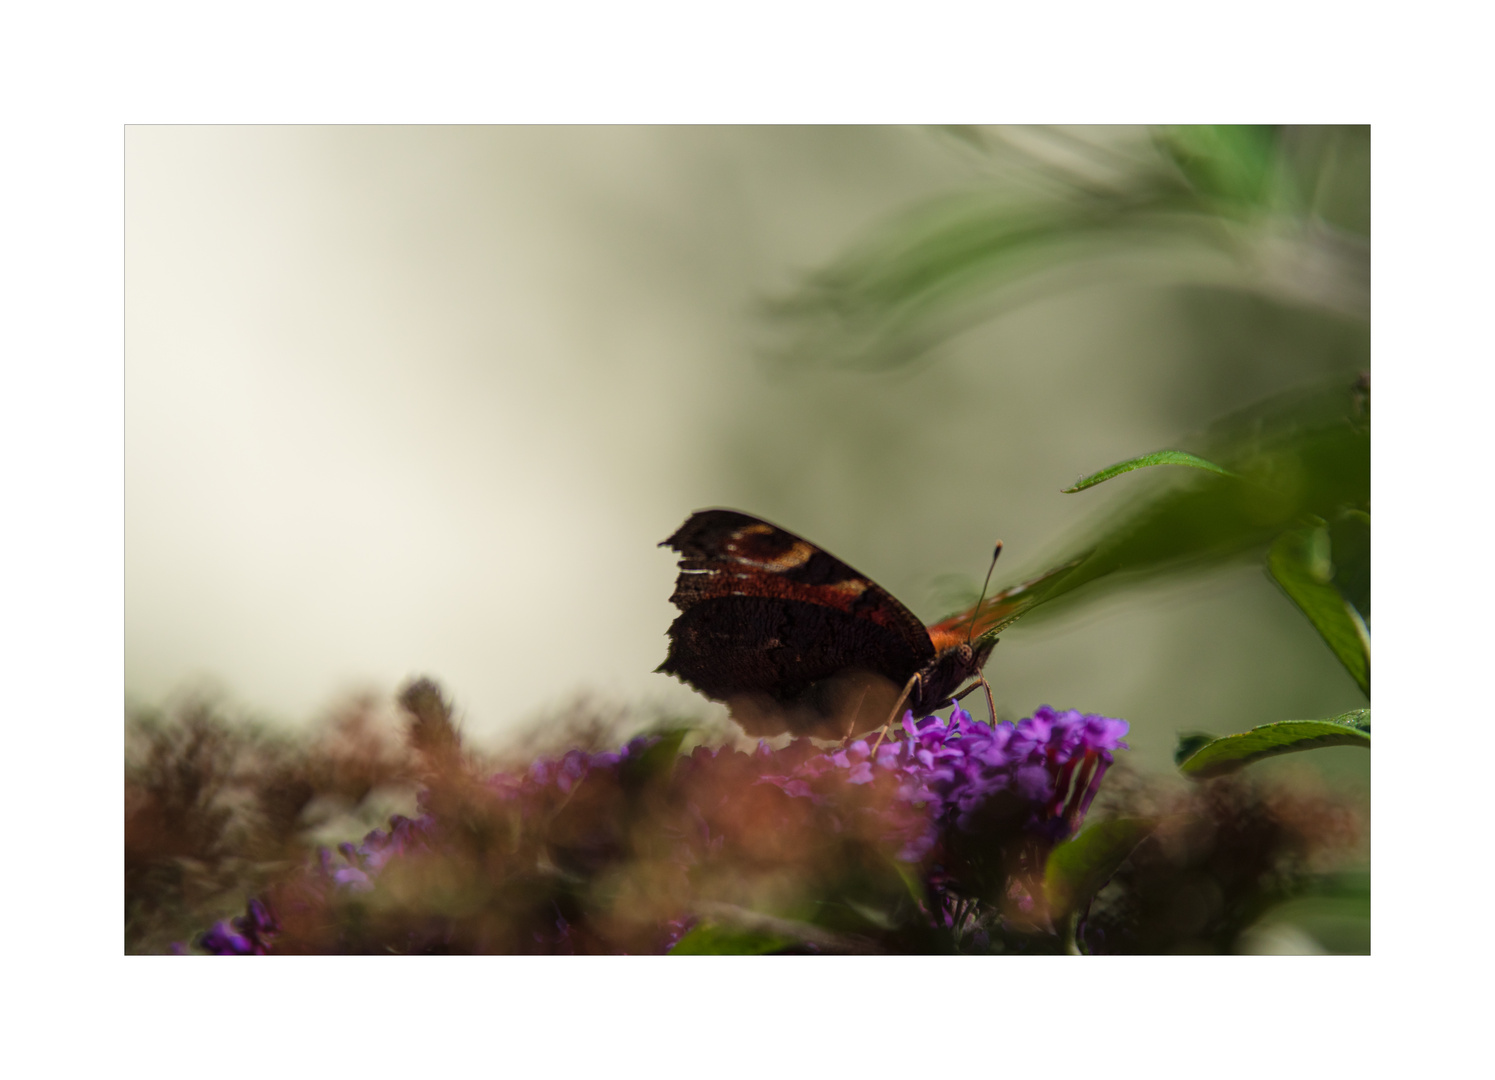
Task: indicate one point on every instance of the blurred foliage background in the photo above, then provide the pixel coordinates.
(406, 400)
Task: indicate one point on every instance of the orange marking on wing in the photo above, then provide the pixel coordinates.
(945, 637)
(993, 612)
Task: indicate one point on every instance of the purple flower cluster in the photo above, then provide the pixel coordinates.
(918, 793)
(568, 770)
(1052, 761)
(252, 933)
(365, 860)
(249, 934)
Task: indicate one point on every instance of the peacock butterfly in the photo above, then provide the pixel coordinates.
(794, 640)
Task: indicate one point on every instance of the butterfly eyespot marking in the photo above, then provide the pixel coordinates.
(763, 546)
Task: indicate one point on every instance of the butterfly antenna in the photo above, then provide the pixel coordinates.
(975, 611)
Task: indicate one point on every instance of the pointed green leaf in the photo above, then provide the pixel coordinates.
(1302, 455)
(1079, 868)
(1157, 457)
(1299, 562)
(1284, 737)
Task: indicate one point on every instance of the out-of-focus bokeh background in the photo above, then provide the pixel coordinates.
(412, 401)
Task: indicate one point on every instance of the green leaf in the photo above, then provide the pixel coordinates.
(1299, 562)
(709, 939)
(1079, 868)
(1157, 457)
(1232, 752)
(1303, 454)
(1349, 548)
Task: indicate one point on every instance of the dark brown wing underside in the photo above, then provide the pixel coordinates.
(783, 665)
(771, 624)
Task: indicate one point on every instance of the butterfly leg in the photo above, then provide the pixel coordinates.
(852, 714)
(914, 680)
(990, 704)
(981, 682)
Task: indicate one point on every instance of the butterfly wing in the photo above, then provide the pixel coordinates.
(789, 636)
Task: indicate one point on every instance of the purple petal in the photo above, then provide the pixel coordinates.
(1032, 782)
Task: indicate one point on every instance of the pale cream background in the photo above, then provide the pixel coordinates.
(424, 400)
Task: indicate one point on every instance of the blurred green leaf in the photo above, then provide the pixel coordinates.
(912, 882)
(1299, 561)
(1301, 455)
(1157, 457)
(655, 763)
(932, 273)
(919, 279)
(728, 928)
(1231, 164)
(709, 939)
(1233, 752)
(1079, 868)
(1349, 548)
(1333, 910)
